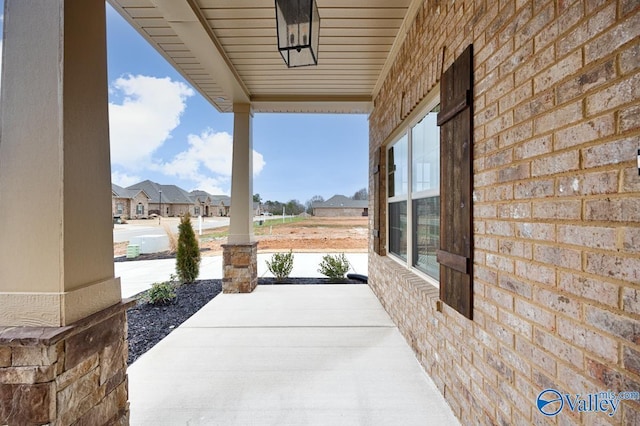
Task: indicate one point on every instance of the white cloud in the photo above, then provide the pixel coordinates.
(143, 121)
(211, 185)
(123, 179)
(208, 153)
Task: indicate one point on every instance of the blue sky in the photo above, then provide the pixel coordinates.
(162, 129)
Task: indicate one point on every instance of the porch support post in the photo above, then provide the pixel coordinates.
(240, 252)
(60, 302)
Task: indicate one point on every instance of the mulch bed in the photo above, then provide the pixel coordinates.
(152, 256)
(148, 324)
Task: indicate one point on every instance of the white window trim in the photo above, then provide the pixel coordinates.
(424, 108)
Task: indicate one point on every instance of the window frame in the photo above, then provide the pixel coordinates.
(405, 130)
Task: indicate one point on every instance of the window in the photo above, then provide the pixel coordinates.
(140, 209)
(425, 172)
(119, 208)
(398, 190)
(413, 164)
(196, 211)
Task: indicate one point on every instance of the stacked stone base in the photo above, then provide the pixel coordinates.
(66, 375)
(240, 264)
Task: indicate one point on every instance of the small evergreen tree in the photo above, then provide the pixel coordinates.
(188, 254)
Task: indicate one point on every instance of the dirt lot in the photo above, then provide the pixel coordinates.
(348, 234)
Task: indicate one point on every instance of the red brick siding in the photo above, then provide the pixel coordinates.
(557, 211)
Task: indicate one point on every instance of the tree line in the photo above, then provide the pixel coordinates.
(295, 207)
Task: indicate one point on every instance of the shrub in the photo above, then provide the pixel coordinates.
(188, 253)
(173, 241)
(161, 293)
(281, 265)
(334, 267)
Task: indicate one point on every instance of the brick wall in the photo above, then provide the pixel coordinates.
(557, 211)
(142, 199)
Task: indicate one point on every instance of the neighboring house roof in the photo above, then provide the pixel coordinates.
(340, 201)
(171, 194)
(200, 196)
(216, 200)
(225, 200)
(120, 192)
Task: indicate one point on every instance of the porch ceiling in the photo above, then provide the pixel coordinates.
(227, 50)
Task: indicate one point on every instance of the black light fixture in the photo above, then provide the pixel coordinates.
(298, 24)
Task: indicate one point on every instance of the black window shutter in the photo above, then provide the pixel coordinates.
(377, 202)
(456, 184)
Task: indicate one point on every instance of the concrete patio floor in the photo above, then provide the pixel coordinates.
(286, 355)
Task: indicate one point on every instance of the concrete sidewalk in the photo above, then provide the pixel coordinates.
(139, 275)
(286, 355)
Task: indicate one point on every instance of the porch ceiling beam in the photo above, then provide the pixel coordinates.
(312, 104)
(186, 19)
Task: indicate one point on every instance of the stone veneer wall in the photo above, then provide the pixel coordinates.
(68, 375)
(557, 210)
(240, 267)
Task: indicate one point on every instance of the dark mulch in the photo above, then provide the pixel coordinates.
(148, 324)
(152, 256)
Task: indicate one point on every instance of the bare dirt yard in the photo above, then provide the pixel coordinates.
(343, 234)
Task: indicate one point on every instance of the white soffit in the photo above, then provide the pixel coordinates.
(227, 49)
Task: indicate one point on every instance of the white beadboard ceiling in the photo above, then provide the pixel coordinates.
(227, 49)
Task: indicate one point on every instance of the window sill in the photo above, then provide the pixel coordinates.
(422, 280)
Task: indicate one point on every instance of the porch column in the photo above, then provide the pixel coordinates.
(62, 324)
(241, 251)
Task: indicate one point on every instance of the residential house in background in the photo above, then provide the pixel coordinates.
(340, 206)
(201, 203)
(173, 200)
(220, 205)
(145, 198)
(129, 203)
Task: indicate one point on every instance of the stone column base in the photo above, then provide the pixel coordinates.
(240, 265)
(64, 375)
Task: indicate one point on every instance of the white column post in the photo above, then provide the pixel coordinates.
(240, 254)
(241, 225)
(56, 241)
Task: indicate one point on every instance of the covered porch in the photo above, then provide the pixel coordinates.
(537, 103)
(62, 322)
(286, 355)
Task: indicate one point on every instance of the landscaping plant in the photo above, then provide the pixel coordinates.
(188, 252)
(173, 241)
(334, 267)
(281, 265)
(161, 293)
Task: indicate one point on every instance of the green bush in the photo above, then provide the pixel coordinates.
(281, 265)
(334, 267)
(188, 252)
(161, 293)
